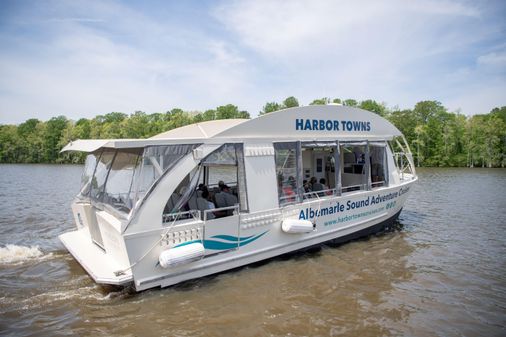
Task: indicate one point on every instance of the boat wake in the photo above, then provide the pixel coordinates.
(14, 254)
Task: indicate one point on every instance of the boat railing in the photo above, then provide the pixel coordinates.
(172, 217)
(292, 199)
(403, 158)
(404, 162)
(319, 194)
(352, 188)
(378, 183)
(220, 212)
(288, 199)
(195, 214)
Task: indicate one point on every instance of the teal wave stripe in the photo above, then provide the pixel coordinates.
(219, 245)
(233, 241)
(231, 238)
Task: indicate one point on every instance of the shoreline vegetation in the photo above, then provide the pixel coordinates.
(437, 137)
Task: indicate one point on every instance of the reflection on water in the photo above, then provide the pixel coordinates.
(440, 273)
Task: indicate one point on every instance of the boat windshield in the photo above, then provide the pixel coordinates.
(119, 178)
(109, 178)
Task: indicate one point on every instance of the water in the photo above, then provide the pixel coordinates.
(441, 273)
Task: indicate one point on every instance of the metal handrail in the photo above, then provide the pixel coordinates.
(403, 166)
(352, 188)
(319, 194)
(378, 183)
(221, 209)
(169, 217)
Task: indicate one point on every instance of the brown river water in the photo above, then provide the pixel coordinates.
(441, 272)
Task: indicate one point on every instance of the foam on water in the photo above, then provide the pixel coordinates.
(14, 254)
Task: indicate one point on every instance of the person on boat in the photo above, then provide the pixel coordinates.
(288, 189)
(203, 187)
(292, 182)
(319, 186)
(306, 186)
(203, 203)
(312, 183)
(225, 198)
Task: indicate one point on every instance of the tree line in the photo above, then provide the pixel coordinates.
(436, 136)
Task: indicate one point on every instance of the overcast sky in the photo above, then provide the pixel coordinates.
(83, 58)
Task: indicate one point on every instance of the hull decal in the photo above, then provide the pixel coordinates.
(224, 242)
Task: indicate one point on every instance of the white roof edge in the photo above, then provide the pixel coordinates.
(200, 130)
(91, 145)
(85, 145)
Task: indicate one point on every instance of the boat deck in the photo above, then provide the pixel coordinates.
(78, 243)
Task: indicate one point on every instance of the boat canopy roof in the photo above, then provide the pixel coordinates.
(309, 123)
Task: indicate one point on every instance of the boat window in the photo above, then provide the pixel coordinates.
(183, 198)
(225, 179)
(319, 169)
(87, 177)
(379, 176)
(100, 176)
(112, 181)
(287, 172)
(353, 166)
(218, 182)
(119, 192)
(157, 160)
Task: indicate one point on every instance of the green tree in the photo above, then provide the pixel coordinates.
(320, 101)
(136, 126)
(54, 131)
(230, 111)
(9, 144)
(28, 127)
(178, 118)
(82, 129)
(270, 107)
(290, 102)
(209, 115)
(373, 106)
(350, 102)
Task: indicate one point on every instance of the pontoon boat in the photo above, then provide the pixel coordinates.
(216, 195)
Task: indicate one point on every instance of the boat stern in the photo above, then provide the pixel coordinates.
(100, 265)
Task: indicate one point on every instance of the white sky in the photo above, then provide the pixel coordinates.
(83, 58)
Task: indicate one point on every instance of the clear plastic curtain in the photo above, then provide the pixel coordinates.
(157, 161)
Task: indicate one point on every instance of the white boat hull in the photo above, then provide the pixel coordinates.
(273, 241)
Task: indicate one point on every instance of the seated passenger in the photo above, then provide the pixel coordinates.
(288, 193)
(292, 182)
(203, 203)
(312, 181)
(307, 188)
(324, 182)
(225, 198)
(203, 187)
(320, 187)
(325, 187)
